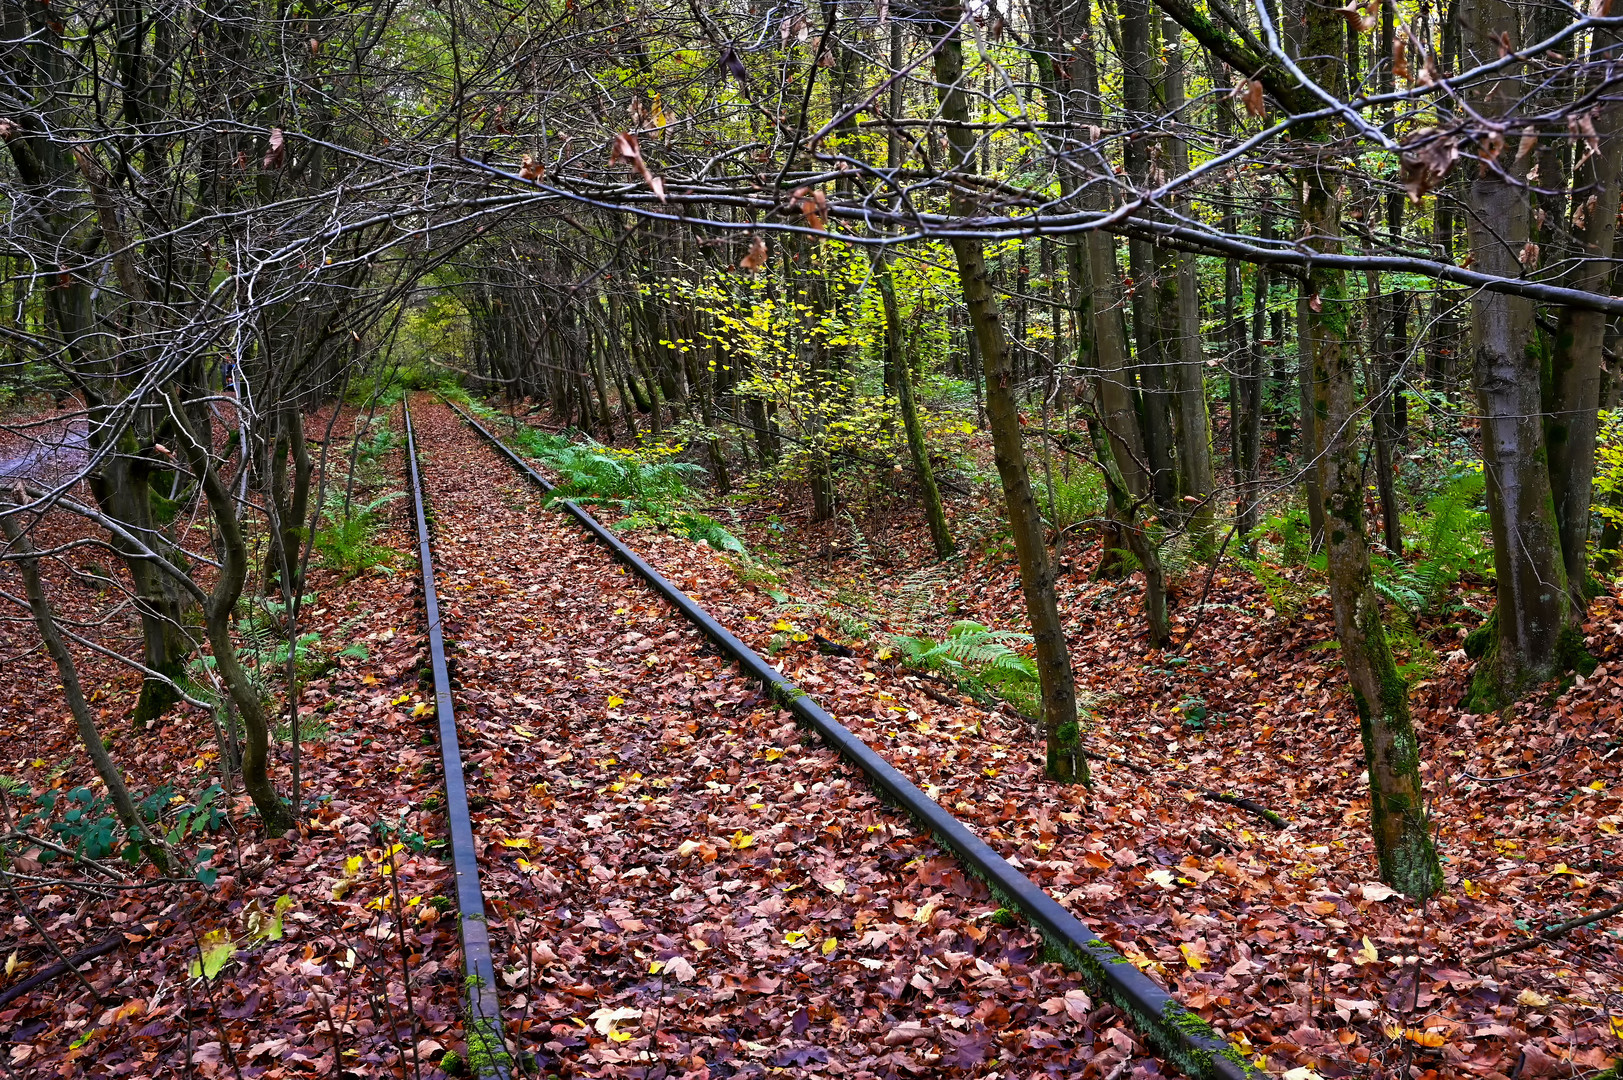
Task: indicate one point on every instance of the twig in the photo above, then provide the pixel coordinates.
(1559, 930)
(1250, 806)
(1094, 755)
(61, 967)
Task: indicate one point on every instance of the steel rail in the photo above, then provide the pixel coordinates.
(1185, 1039)
(487, 1052)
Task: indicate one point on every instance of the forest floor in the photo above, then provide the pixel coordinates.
(1285, 939)
(674, 874)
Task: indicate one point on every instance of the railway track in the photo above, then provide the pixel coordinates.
(660, 875)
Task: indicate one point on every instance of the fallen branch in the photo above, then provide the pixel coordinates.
(61, 967)
(1559, 930)
(1094, 755)
(1250, 806)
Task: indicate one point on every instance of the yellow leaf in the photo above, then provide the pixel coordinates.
(835, 885)
(1598, 785)
(1191, 957)
(1424, 1038)
(401, 700)
(620, 1036)
(11, 962)
(1533, 998)
(420, 708)
(352, 866)
(742, 840)
(773, 753)
(1367, 953)
(796, 940)
(369, 680)
(516, 841)
(616, 702)
(800, 636)
(656, 967)
(782, 625)
(1472, 889)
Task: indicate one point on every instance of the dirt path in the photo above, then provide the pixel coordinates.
(676, 883)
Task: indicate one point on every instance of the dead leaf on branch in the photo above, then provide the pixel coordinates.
(1583, 126)
(626, 147)
(756, 258)
(813, 206)
(1427, 157)
(277, 149)
(1529, 255)
(1254, 103)
(530, 169)
(1528, 143)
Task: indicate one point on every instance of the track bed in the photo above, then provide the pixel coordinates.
(676, 884)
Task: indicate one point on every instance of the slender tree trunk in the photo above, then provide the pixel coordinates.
(123, 805)
(896, 360)
(1185, 354)
(1534, 633)
(1403, 843)
(1576, 369)
(1065, 762)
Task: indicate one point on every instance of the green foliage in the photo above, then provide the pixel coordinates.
(978, 658)
(83, 823)
(650, 489)
(1079, 496)
(81, 820)
(703, 527)
(1451, 541)
(1608, 501)
(348, 544)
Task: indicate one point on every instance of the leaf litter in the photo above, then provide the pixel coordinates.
(1283, 940)
(680, 884)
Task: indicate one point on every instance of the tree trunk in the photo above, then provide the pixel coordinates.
(1403, 843)
(1065, 762)
(89, 736)
(896, 360)
(1535, 635)
(1576, 370)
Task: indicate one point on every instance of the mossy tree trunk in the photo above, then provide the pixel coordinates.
(1535, 624)
(123, 805)
(1065, 762)
(1574, 385)
(1403, 843)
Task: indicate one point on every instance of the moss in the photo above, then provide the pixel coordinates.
(486, 1054)
(1005, 917)
(1480, 640)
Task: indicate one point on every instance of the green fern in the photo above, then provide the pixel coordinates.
(977, 657)
(347, 544)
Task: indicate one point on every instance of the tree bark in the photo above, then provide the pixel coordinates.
(1065, 762)
(1403, 844)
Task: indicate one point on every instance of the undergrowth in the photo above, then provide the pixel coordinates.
(981, 661)
(648, 492)
(1448, 541)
